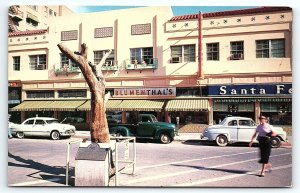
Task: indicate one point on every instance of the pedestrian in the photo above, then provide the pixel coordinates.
(9, 131)
(263, 132)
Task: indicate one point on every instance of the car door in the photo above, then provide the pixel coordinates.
(246, 128)
(232, 129)
(145, 127)
(40, 128)
(27, 127)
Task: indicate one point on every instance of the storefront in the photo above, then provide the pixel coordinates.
(14, 99)
(272, 100)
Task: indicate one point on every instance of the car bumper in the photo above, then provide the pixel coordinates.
(202, 137)
(68, 133)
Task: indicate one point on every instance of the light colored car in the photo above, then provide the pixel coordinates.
(42, 126)
(238, 129)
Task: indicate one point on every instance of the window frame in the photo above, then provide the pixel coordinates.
(185, 57)
(269, 49)
(38, 62)
(98, 55)
(213, 52)
(142, 55)
(72, 94)
(16, 66)
(67, 61)
(236, 50)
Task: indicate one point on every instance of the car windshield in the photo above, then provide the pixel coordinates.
(51, 121)
(154, 118)
(223, 122)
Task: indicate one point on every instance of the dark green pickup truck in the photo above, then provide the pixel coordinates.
(147, 127)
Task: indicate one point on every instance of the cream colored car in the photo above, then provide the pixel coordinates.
(44, 127)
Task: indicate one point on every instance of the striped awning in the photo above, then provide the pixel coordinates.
(110, 105)
(48, 105)
(187, 105)
(141, 105)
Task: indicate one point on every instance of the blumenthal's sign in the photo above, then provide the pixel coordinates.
(144, 92)
(257, 89)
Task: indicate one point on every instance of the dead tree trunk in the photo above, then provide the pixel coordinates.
(94, 78)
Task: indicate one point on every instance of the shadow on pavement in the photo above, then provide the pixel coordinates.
(42, 169)
(209, 143)
(216, 169)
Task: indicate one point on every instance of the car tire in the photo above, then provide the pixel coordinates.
(55, 135)
(165, 138)
(20, 135)
(118, 134)
(275, 142)
(222, 140)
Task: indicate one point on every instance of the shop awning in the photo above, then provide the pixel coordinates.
(187, 105)
(48, 105)
(111, 105)
(141, 105)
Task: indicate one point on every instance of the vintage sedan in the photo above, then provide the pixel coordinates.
(42, 126)
(238, 129)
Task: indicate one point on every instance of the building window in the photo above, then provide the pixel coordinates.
(72, 94)
(38, 62)
(39, 94)
(50, 12)
(65, 61)
(103, 32)
(98, 55)
(69, 35)
(46, 11)
(212, 51)
(54, 13)
(16, 63)
(237, 50)
(141, 55)
(34, 7)
(270, 48)
(140, 29)
(186, 53)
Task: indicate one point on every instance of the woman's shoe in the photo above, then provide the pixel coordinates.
(262, 175)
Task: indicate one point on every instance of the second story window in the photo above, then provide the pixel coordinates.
(39, 94)
(183, 53)
(212, 51)
(32, 19)
(50, 12)
(98, 55)
(38, 62)
(141, 55)
(237, 50)
(72, 94)
(270, 48)
(66, 62)
(16, 63)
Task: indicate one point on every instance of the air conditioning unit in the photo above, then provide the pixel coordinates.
(41, 66)
(237, 57)
(176, 59)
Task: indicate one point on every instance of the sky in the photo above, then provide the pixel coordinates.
(177, 10)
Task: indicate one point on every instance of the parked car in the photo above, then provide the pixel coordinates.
(146, 126)
(238, 129)
(42, 126)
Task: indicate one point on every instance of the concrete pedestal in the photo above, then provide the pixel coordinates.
(92, 164)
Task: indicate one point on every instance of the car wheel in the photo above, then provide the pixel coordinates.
(55, 135)
(275, 142)
(119, 135)
(20, 135)
(165, 138)
(222, 140)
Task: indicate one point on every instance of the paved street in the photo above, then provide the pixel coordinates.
(41, 162)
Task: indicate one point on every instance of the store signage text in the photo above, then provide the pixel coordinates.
(274, 89)
(144, 92)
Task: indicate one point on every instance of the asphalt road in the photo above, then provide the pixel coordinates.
(41, 162)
